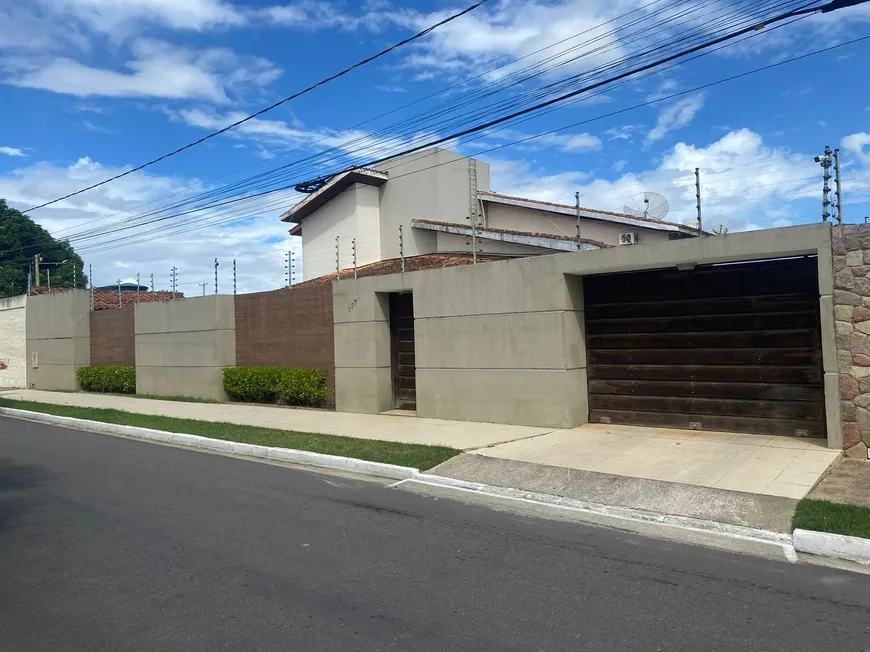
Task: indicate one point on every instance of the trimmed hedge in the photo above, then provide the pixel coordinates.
(109, 380)
(305, 387)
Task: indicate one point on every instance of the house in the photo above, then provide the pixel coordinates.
(440, 202)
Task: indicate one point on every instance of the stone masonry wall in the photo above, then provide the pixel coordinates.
(851, 266)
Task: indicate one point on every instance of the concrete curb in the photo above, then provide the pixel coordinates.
(196, 442)
(833, 546)
(703, 532)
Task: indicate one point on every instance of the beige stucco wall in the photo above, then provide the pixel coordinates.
(182, 346)
(355, 213)
(499, 342)
(13, 342)
(58, 334)
(429, 185)
(504, 341)
(516, 218)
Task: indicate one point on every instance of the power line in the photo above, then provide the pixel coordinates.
(442, 91)
(247, 198)
(529, 138)
(333, 149)
(273, 174)
(322, 82)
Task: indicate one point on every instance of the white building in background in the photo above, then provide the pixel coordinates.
(442, 203)
(13, 342)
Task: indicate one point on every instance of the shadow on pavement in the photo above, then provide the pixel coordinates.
(15, 481)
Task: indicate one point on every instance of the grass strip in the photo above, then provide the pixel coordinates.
(418, 456)
(837, 518)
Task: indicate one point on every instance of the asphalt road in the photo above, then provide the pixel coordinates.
(109, 544)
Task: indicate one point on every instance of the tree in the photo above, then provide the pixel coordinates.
(20, 240)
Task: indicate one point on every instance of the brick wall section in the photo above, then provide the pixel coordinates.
(851, 260)
(291, 327)
(113, 340)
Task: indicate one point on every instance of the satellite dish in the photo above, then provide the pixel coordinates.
(649, 205)
(720, 229)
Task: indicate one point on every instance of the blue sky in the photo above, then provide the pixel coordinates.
(92, 87)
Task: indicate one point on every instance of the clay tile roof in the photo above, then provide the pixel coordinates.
(108, 299)
(412, 264)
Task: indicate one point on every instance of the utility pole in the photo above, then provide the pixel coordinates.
(838, 186)
(234, 275)
(402, 246)
(337, 260)
(137, 287)
(203, 284)
(577, 208)
(152, 282)
(287, 268)
(74, 275)
(91, 283)
(119, 293)
(174, 271)
(48, 276)
(698, 197)
(36, 260)
(215, 276)
(353, 249)
(825, 161)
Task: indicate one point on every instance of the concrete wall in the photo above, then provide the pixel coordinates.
(181, 346)
(13, 342)
(504, 341)
(516, 218)
(429, 185)
(113, 339)
(355, 213)
(851, 306)
(452, 243)
(291, 327)
(58, 335)
(500, 342)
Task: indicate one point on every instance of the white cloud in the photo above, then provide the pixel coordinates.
(745, 183)
(508, 30)
(12, 151)
(315, 14)
(110, 16)
(859, 145)
(623, 132)
(676, 116)
(257, 240)
(561, 142)
(157, 70)
(274, 133)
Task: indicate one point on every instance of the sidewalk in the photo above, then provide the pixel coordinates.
(456, 434)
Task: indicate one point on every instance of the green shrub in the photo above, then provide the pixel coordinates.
(252, 384)
(302, 387)
(108, 379)
(271, 385)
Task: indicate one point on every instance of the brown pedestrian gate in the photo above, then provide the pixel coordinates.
(733, 347)
(404, 368)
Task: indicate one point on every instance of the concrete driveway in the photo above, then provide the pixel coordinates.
(775, 466)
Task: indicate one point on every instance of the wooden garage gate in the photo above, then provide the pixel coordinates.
(733, 348)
